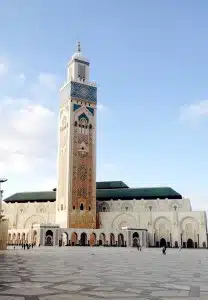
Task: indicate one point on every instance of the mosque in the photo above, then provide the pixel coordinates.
(81, 211)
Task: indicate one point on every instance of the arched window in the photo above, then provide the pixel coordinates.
(83, 125)
(89, 208)
(104, 208)
(62, 207)
(73, 207)
(126, 208)
(75, 123)
(81, 206)
(90, 126)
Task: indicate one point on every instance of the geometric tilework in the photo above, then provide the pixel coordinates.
(91, 110)
(32, 274)
(83, 91)
(83, 116)
(76, 106)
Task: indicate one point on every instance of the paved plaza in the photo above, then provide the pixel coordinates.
(80, 273)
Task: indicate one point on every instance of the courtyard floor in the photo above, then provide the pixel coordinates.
(80, 273)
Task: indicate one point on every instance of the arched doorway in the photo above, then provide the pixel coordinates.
(112, 239)
(83, 239)
(176, 244)
(92, 239)
(14, 238)
(27, 237)
(162, 242)
(74, 239)
(135, 239)
(102, 239)
(190, 243)
(23, 238)
(120, 240)
(49, 238)
(34, 240)
(18, 238)
(9, 239)
(64, 239)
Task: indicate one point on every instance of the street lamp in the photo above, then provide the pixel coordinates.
(2, 180)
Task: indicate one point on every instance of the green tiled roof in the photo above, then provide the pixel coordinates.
(111, 185)
(103, 194)
(138, 193)
(32, 196)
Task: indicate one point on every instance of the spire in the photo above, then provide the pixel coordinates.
(78, 47)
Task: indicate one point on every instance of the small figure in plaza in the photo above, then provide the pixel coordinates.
(164, 250)
(139, 248)
(24, 246)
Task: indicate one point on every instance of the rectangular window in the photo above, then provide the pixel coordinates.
(81, 71)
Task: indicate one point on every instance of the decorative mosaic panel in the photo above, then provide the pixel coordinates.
(76, 106)
(91, 110)
(83, 116)
(83, 190)
(83, 91)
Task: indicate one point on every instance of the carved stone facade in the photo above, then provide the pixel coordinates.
(180, 227)
(76, 191)
(83, 208)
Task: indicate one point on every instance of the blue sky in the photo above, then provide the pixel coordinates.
(149, 60)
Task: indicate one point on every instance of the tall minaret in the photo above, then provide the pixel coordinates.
(76, 190)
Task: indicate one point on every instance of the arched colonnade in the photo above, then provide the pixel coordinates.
(91, 239)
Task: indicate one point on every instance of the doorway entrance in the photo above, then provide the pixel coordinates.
(135, 240)
(190, 243)
(162, 243)
(83, 239)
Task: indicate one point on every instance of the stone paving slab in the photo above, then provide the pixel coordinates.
(85, 273)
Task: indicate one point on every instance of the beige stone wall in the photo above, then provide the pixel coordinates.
(3, 234)
(22, 216)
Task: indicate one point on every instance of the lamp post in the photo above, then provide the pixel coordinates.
(2, 180)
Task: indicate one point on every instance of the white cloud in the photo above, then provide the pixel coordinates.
(28, 129)
(3, 66)
(194, 111)
(101, 107)
(27, 138)
(21, 78)
(47, 80)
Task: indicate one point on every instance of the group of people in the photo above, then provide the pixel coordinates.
(164, 249)
(27, 246)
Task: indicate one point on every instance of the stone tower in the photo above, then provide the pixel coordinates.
(76, 190)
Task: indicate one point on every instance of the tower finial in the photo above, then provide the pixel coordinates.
(78, 47)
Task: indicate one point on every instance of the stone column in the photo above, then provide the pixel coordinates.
(176, 234)
(56, 238)
(42, 238)
(150, 227)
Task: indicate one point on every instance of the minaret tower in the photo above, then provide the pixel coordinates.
(76, 190)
